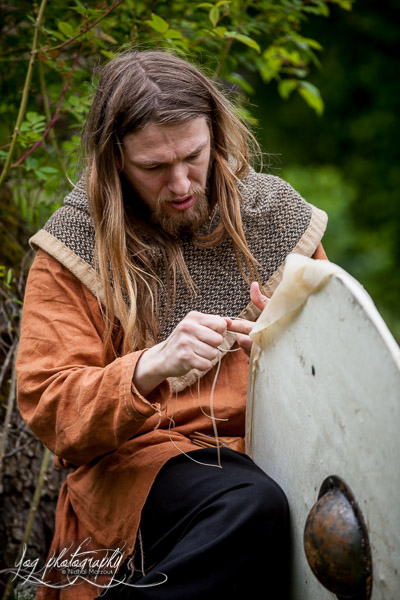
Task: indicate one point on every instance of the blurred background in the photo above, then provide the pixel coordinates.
(318, 80)
(347, 160)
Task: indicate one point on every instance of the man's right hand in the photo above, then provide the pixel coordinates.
(192, 345)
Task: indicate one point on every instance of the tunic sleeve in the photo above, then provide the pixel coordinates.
(80, 407)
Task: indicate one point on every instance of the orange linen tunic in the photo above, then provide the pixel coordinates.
(91, 416)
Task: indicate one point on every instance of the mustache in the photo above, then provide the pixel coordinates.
(196, 189)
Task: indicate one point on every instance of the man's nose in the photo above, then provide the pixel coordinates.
(178, 181)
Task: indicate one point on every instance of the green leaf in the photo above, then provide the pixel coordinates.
(34, 136)
(223, 2)
(55, 34)
(312, 96)
(182, 44)
(213, 15)
(31, 163)
(66, 28)
(286, 87)
(220, 31)
(269, 70)
(50, 170)
(303, 42)
(73, 101)
(158, 23)
(9, 277)
(108, 38)
(310, 87)
(34, 117)
(174, 34)
(40, 174)
(241, 81)
(321, 10)
(245, 39)
(80, 9)
(108, 54)
(345, 4)
(246, 115)
(299, 73)
(205, 5)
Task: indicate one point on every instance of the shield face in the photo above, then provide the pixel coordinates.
(324, 401)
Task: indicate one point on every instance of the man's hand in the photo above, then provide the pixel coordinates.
(192, 345)
(242, 327)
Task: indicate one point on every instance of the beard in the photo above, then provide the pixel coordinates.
(185, 221)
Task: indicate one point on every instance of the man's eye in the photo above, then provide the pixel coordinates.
(152, 167)
(194, 156)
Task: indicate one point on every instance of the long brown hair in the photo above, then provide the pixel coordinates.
(135, 89)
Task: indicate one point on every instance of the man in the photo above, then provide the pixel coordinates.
(128, 367)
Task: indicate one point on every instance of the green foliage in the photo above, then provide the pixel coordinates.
(32, 129)
(358, 133)
(325, 187)
(43, 117)
(365, 255)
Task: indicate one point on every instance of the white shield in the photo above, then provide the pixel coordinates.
(324, 400)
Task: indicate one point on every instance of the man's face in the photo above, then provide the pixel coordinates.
(167, 166)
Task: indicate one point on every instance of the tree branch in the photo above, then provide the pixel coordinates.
(31, 516)
(25, 93)
(52, 135)
(56, 114)
(83, 30)
(10, 407)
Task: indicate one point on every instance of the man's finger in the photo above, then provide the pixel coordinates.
(214, 322)
(244, 342)
(257, 298)
(240, 326)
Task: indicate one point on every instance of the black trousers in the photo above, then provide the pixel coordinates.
(213, 533)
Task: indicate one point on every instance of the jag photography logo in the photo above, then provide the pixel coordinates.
(75, 566)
